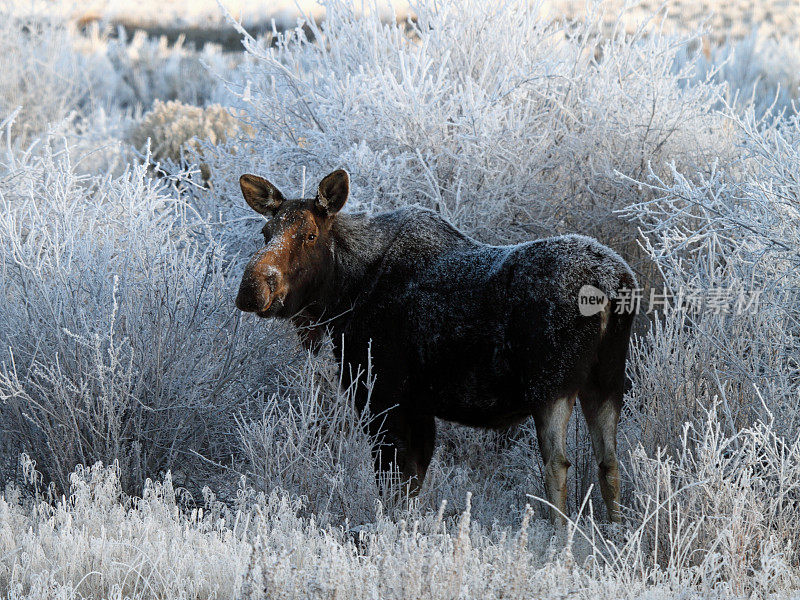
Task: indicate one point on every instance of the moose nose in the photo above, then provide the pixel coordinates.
(246, 298)
(253, 295)
(250, 295)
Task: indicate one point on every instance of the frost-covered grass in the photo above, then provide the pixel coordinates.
(119, 341)
(718, 520)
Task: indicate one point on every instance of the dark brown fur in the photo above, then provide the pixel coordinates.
(481, 335)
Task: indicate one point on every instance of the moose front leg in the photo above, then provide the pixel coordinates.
(420, 442)
(403, 445)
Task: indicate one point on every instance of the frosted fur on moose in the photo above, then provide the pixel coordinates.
(481, 335)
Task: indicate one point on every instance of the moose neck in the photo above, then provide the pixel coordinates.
(362, 251)
(359, 246)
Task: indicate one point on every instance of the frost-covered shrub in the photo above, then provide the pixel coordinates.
(137, 70)
(41, 74)
(758, 70)
(310, 441)
(120, 340)
(724, 511)
(509, 124)
(96, 543)
(66, 80)
(720, 520)
(736, 232)
(174, 128)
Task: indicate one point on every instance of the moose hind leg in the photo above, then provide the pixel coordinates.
(551, 431)
(602, 417)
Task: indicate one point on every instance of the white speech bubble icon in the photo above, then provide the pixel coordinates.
(591, 300)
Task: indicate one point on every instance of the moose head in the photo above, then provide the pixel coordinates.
(288, 272)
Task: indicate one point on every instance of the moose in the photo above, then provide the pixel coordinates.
(481, 335)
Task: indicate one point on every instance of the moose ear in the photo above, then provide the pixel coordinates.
(261, 195)
(333, 192)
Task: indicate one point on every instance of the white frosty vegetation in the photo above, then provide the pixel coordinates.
(737, 230)
(175, 129)
(505, 123)
(119, 338)
(120, 344)
(718, 520)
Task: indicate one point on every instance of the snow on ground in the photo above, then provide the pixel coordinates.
(732, 19)
(191, 13)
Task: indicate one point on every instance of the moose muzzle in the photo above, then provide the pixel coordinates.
(252, 297)
(259, 286)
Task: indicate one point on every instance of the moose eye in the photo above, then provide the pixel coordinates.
(311, 237)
